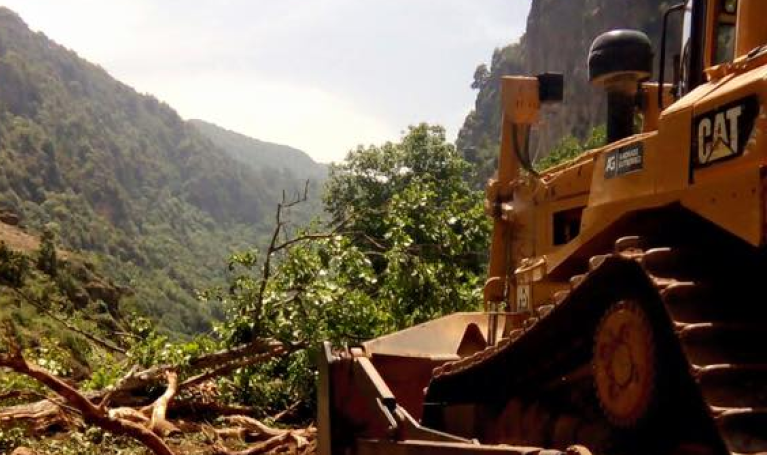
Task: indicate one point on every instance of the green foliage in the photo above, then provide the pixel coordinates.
(122, 177)
(37, 303)
(436, 254)
(50, 355)
(14, 267)
(422, 227)
(107, 372)
(411, 248)
(301, 303)
(15, 386)
(47, 261)
(10, 438)
(80, 441)
(570, 148)
(364, 184)
(156, 349)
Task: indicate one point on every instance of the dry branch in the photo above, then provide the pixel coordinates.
(231, 366)
(38, 416)
(91, 413)
(286, 412)
(139, 380)
(44, 414)
(227, 355)
(158, 423)
(259, 448)
(254, 428)
(198, 408)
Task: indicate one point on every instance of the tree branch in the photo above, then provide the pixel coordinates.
(255, 449)
(90, 412)
(231, 366)
(275, 436)
(158, 423)
(44, 414)
(266, 268)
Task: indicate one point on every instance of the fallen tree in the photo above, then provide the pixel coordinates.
(148, 424)
(150, 404)
(45, 413)
(76, 401)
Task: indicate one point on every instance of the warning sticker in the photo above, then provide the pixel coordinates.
(523, 297)
(624, 160)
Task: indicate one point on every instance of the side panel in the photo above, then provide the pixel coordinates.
(726, 192)
(626, 170)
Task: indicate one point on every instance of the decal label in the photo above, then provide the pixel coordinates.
(723, 133)
(624, 160)
(523, 297)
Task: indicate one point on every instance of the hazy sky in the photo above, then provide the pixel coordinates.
(320, 75)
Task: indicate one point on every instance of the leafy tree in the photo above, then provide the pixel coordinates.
(13, 267)
(570, 148)
(434, 253)
(47, 260)
(407, 244)
(481, 76)
(362, 187)
(412, 210)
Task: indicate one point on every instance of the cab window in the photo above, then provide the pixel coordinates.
(725, 32)
(693, 55)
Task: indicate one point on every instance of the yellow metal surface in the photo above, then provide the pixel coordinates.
(521, 104)
(548, 227)
(521, 107)
(651, 112)
(728, 193)
(438, 339)
(752, 31)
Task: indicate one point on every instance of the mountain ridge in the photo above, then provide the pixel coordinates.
(259, 153)
(121, 177)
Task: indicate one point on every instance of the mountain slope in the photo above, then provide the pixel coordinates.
(558, 37)
(122, 176)
(260, 154)
(281, 167)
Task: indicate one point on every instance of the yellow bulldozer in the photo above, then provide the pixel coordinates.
(623, 305)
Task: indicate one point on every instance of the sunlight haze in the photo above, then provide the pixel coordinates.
(322, 76)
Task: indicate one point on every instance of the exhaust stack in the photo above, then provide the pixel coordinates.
(620, 60)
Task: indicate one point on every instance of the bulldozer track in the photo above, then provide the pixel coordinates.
(711, 321)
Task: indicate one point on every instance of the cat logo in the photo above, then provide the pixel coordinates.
(722, 134)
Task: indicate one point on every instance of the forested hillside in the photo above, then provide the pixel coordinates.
(166, 207)
(121, 176)
(558, 37)
(294, 163)
(281, 167)
(406, 244)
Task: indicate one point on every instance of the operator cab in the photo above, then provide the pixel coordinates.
(696, 40)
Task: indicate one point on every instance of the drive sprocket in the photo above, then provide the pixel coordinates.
(624, 364)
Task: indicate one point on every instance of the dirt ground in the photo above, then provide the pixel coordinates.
(19, 240)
